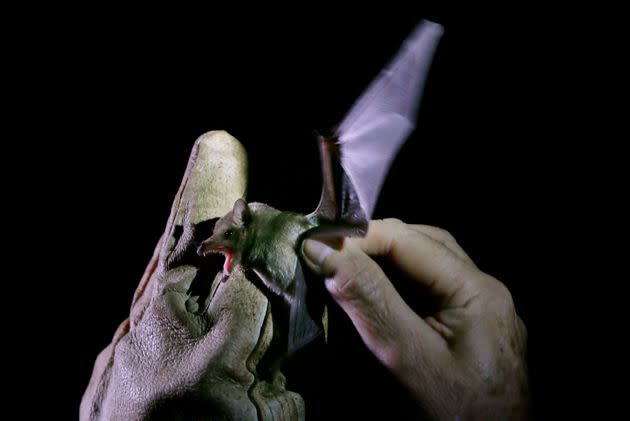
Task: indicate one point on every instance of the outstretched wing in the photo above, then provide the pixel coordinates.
(356, 161)
(384, 116)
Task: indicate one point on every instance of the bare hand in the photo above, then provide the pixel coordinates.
(466, 361)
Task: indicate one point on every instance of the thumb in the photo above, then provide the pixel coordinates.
(342, 270)
(364, 292)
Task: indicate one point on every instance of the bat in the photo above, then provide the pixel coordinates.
(355, 161)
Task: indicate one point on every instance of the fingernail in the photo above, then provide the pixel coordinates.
(316, 252)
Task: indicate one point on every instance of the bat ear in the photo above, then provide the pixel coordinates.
(242, 214)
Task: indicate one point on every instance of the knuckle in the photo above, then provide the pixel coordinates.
(393, 222)
(501, 298)
(390, 357)
(521, 330)
(446, 235)
(440, 234)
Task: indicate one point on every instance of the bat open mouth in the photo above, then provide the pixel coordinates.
(205, 250)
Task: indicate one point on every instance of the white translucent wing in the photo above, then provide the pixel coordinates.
(383, 117)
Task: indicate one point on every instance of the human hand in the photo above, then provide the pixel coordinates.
(194, 343)
(465, 361)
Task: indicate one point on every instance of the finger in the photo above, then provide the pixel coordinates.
(382, 318)
(424, 259)
(215, 177)
(442, 236)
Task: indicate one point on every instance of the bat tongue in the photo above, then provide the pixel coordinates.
(228, 261)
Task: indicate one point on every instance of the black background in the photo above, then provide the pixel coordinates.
(122, 95)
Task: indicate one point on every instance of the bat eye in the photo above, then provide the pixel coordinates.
(227, 234)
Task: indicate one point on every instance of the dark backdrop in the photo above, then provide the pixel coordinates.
(126, 93)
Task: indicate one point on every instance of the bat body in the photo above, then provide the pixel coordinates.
(355, 162)
(259, 237)
(264, 240)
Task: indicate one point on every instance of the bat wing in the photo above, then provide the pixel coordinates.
(302, 329)
(383, 117)
(339, 213)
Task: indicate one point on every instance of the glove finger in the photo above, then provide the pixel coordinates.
(216, 175)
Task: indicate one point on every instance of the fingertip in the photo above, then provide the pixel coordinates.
(215, 178)
(316, 253)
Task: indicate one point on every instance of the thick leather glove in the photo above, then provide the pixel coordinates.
(194, 343)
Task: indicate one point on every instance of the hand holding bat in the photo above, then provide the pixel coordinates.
(465, 361)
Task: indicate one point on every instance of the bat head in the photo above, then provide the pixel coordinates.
(229, 233)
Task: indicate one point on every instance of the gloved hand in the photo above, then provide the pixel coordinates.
(194, 343)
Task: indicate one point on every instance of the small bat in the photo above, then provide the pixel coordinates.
(355, 161)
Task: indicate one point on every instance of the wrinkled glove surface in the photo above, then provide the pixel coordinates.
(195, 344)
